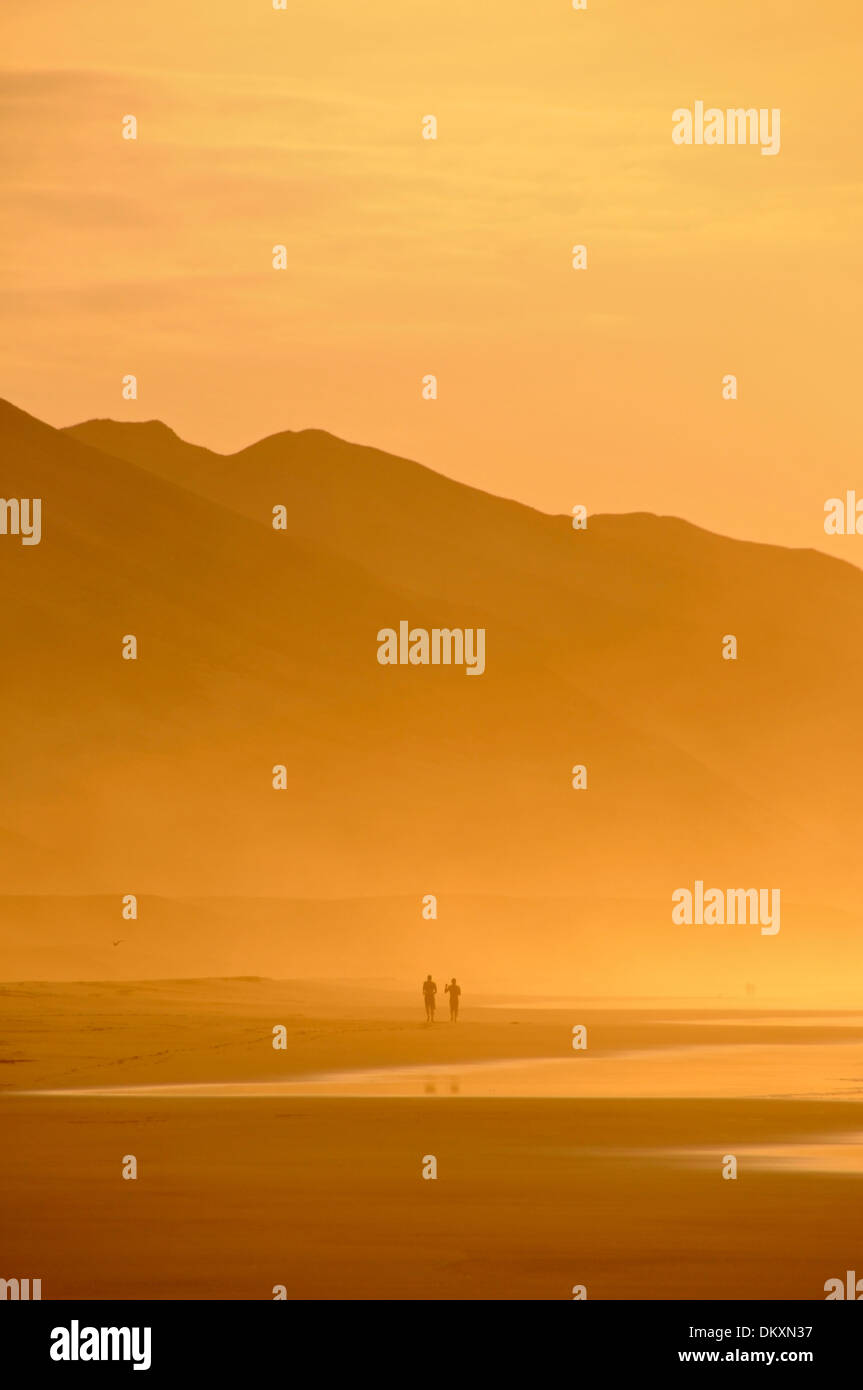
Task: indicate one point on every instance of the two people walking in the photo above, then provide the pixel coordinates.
(453, 989)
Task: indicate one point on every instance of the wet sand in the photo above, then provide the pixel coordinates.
(791, 1071)
(325, 1195)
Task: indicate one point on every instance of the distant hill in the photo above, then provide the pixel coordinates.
(258, 647)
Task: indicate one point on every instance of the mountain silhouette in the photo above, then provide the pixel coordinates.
(257, 647)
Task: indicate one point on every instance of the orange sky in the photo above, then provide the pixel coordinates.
(409, 256)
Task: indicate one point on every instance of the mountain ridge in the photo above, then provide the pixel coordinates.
(258, 647)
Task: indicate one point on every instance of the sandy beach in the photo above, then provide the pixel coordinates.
(324, 1194)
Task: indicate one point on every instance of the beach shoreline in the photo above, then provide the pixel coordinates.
(325, 1195)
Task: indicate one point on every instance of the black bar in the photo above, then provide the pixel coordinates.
(408, 1340)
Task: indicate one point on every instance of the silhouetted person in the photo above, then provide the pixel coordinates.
(429, 992)
(453, 990)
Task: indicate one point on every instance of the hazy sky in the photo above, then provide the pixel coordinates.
(408, 256)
